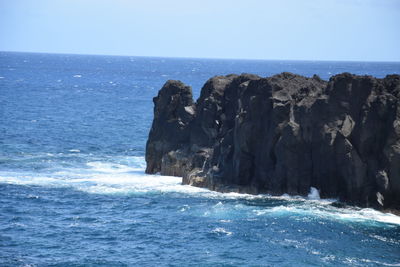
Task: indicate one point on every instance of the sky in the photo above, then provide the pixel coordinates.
(354, 30)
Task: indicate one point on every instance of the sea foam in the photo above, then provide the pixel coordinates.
(126, 176)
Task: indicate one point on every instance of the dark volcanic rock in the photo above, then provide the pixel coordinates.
(283, 134)
(173, 112)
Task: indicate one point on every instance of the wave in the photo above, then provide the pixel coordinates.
(220, 230)
(125, 176)
(328, 212)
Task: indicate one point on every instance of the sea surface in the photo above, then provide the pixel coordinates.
(73, 191)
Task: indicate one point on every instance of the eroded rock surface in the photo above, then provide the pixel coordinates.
(283, 134)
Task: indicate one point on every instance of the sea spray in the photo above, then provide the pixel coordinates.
(314, 194)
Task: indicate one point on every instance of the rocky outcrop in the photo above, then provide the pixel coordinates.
(283, 134)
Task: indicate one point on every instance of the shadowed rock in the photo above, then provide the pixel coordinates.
(173, 112)
(283, 134)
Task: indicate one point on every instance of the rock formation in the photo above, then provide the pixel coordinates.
(283, 134)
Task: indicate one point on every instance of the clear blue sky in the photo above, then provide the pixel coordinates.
(366, 30)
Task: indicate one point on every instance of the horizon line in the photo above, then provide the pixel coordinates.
(201, 58)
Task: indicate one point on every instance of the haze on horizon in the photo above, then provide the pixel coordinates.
(354, 30)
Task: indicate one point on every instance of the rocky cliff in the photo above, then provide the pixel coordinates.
(283, 134)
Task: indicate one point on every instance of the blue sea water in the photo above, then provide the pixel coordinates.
(73, 190)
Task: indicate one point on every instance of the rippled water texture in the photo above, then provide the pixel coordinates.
(73, 189)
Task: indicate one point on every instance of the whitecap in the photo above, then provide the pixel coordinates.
(380, 262)
(220, 230)
(367, 214)
(184, 208)
(321, 210)
(77, 76)
(109, 167)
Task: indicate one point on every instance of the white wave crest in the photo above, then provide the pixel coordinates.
(220, 230)
(328, 212)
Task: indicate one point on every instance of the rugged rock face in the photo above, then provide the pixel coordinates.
(283, 134)
(173, 112)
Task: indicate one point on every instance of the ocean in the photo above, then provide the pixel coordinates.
(73, 191)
